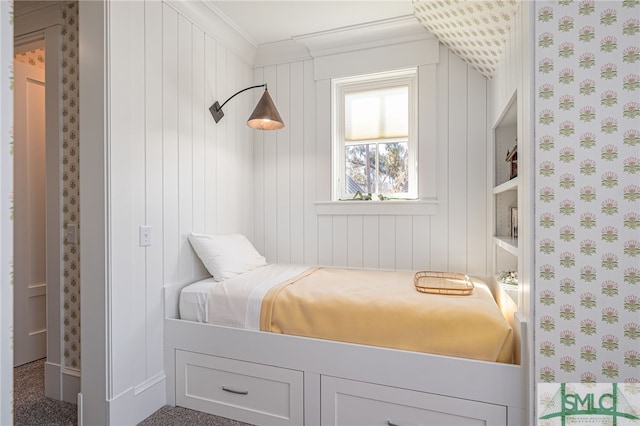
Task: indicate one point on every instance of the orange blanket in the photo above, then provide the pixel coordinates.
(381, 308)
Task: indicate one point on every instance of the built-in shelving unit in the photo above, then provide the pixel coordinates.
(505, 198)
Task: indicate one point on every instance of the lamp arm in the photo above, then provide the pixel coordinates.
(243, 90)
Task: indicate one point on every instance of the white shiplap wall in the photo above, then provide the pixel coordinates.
(293, 171)
(170, 167)
(514, 75)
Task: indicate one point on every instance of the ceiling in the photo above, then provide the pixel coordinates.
(270, 21)
(474, 30)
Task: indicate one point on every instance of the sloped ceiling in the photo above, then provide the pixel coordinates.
(475, 30)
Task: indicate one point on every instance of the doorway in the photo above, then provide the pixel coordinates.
(30, 284)
(40, 25)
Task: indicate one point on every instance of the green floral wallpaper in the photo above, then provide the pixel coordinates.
(474, 30)
(33, 57)
(587, 234)
(70, 183)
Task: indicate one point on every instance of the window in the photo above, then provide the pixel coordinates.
(374, 135)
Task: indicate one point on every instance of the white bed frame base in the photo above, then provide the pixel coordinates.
(487, 382)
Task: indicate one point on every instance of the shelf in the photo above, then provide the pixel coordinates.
(510, 185)
(508, 244)
(511, 292)
(506, 194)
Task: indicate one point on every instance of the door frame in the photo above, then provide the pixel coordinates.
(35, 25)
(29, 222)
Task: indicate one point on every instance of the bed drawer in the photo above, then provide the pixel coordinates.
(253, 393)
(351, 403)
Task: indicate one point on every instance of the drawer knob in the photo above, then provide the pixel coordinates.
(236, 391)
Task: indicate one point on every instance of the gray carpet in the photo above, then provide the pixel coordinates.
(178, 416)
(31, 408)
(29, 403)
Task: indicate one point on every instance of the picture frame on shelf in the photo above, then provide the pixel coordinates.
(512, 159)
(514, 222)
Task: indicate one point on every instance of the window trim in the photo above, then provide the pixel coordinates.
(377, 208)
(339, 88)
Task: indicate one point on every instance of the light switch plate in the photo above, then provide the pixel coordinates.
(72, 233)
(145, 236)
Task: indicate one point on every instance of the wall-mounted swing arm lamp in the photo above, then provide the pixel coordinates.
(265, 116)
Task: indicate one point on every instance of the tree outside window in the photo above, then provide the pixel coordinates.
(374, 136)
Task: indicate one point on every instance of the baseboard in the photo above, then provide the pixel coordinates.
(170, 369)
(53, 380)
(61, 383)
(138, 403)
(70, 385)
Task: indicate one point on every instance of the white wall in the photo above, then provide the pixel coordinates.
(293, 172)
(513, 74)
(6, 222)
(168, 166)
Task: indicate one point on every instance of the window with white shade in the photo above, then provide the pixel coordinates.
(374, 135)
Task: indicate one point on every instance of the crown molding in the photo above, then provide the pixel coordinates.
(365, 36)
(211, 6)
(32, 17)
(213, 22)
(21, 7)
(388, 32)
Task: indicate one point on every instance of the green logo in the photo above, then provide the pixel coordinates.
(589, 404)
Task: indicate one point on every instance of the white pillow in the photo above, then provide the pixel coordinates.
(226, 255)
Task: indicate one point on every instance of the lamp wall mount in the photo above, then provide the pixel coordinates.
(265, 116)
(216, 111)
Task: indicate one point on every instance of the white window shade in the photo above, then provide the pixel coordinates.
(377, 114)
(374, 125)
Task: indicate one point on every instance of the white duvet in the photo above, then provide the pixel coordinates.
(236, 301)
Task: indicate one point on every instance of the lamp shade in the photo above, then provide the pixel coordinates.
(265, 116)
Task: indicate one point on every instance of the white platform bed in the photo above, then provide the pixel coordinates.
(267, 378)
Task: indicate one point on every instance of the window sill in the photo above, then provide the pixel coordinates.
(377, 208)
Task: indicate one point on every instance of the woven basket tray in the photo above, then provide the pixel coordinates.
(435, 282)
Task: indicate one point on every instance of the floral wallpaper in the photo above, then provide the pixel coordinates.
(70, 183)
(587, 184)
(6, 215)
(474, 30)
(33, 57)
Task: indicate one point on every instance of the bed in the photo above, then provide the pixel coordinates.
(244, 345)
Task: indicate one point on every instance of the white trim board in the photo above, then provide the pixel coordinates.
(376, 208)
(352, 39)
